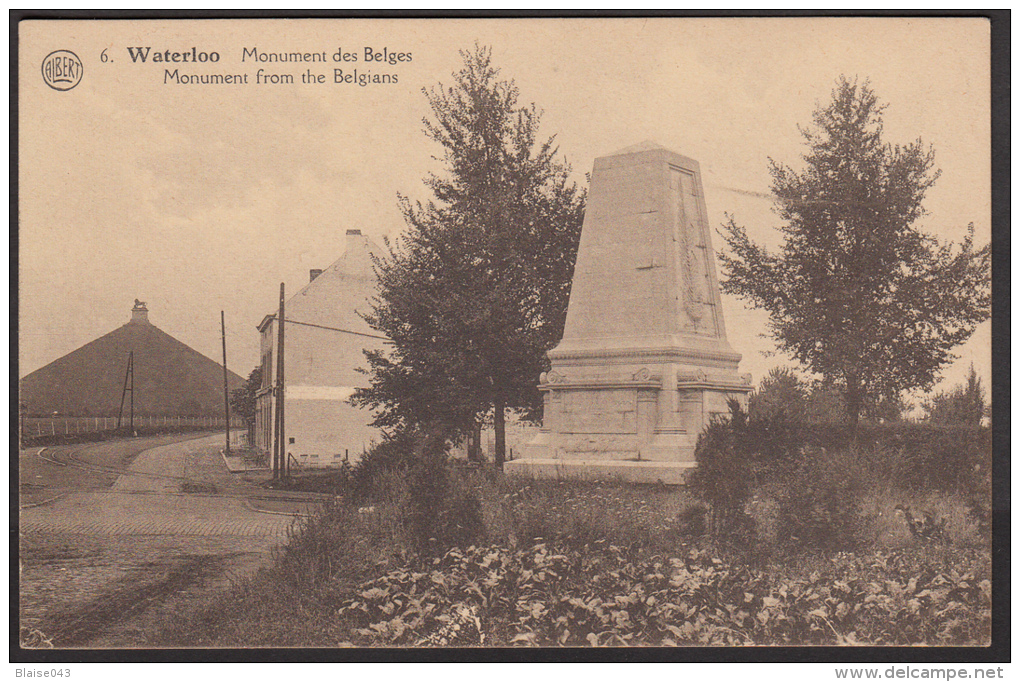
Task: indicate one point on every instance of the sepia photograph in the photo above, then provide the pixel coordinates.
(558, 333)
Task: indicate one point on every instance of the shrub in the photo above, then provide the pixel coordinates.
(738, 457)
(954, 459)
(922, 457)
(440, 512)
(394, 453)
(585, 512)
(780, 392)
(809, 480)
(314, 552)
(979, 509)
(460, 521)
(820, 502)
(723, 477)
(964, 404)
(615, 564)
(693, 520)
(406, 486)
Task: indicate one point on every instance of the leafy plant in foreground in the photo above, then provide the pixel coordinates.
(547, 594)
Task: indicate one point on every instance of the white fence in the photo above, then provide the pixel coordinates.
(53, 426)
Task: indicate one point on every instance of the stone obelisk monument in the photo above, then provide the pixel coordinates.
(644, 363)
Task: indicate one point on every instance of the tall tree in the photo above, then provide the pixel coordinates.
(475, 290)
(857, 293)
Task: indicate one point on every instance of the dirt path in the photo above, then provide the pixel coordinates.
(100, 565)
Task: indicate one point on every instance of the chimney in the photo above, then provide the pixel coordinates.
(313, 273)
(139, 313)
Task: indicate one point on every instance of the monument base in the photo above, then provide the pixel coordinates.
(628, 422)
(668, 473)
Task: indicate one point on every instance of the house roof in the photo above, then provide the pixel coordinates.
(337, 295)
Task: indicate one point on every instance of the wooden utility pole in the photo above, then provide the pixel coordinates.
(279, 442)
(226, 401)
(284, 464)
(129, 375)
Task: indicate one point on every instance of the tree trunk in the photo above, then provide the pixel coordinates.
(500, 424)
(475, 444)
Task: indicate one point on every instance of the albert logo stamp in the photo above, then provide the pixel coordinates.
(62, 70)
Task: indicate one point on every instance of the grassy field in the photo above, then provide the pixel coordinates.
(439, 556)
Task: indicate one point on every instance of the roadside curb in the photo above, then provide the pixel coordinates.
(289, 495)
(233, 470)
(252, 507)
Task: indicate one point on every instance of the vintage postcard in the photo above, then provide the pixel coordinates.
(416, 333)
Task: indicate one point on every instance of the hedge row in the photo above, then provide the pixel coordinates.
(903, 455)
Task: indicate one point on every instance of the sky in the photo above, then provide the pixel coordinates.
(198, 198)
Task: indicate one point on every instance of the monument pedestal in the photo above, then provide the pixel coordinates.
(644, 364)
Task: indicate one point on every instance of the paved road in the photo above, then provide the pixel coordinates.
(145, 505)
(119, 513)
(104, 534)
(41, 479)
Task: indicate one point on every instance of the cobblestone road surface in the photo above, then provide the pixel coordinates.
(84, 546)
(143, 505)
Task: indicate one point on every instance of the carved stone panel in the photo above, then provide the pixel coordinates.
(600, 411)
(690, 246)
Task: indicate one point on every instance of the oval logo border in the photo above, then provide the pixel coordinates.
(81, 70)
